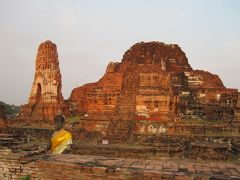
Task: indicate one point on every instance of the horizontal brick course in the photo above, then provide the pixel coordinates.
(85, 167)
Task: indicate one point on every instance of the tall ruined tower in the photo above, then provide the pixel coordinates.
(45, 100)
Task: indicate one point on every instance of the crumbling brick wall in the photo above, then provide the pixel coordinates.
(14, 166)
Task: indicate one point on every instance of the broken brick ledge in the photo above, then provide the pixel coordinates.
(67, 166)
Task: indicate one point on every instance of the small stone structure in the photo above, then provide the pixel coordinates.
(3, 123)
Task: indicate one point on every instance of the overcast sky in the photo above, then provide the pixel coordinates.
(91, 33)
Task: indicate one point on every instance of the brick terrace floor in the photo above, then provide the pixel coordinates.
(158, 168)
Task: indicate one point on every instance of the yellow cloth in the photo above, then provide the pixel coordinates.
(60, 141)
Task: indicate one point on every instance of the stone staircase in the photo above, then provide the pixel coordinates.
(120, 127)
(125, 108)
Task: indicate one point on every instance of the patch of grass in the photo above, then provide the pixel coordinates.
(27, 177)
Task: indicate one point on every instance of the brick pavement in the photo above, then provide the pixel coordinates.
(67, 166)
(157, 168)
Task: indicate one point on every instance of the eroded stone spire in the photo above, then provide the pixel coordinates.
(45, 99)
(47, 81)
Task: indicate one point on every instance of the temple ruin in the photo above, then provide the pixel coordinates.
(150, 116)
(153, 90)
(45, 99)
(154, 81)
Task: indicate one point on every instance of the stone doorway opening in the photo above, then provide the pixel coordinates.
(39, 93)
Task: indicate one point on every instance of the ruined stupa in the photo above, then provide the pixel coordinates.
(45, 100)
(155, 82)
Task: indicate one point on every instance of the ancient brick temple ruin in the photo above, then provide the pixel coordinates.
(153, 83)
(149, 117)
(45, 99)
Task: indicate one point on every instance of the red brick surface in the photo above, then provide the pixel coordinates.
(14, 166)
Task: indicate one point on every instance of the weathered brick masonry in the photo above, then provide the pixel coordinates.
(15, 166)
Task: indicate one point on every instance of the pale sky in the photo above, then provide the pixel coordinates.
(91, 33)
